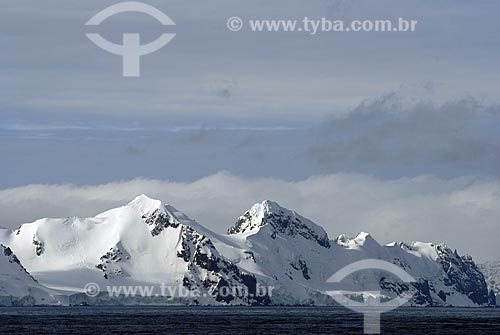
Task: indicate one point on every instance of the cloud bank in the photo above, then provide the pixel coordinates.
(402, 133)
(462, 212)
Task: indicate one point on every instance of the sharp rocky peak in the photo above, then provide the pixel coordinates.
(281, 221)
(157, 215)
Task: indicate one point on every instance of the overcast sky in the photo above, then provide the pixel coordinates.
(381, 110)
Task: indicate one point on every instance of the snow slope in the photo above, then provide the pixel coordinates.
(147, 242)
(491, 271)
(17, 286)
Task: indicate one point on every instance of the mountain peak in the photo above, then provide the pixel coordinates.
(281, 221)
(362, 239)
(365, 239)
(257, 216)
(271, 206)
(146, 204)
(154, 213)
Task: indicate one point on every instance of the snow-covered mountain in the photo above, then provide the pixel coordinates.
(17, 286)
(148, 243)
(491, 271)
(141, 244)
(299, 256)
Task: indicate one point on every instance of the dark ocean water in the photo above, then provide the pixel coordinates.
(241, 320)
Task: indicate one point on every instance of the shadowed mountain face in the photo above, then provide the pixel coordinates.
(491, 271)
(147, 242)
(17, 286)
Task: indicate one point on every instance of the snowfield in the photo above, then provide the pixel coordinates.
(149, 243)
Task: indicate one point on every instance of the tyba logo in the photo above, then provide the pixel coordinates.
(131, 50)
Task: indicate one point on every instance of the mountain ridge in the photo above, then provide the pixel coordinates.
(150, 242)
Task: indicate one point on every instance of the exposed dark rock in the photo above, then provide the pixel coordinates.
(250, 255)
(239, 226)
(223, 280)
(39, 246)
(281, 222)
(14, 260)
(110, 263)
(158, 220)
(462, 274)
(301, 265)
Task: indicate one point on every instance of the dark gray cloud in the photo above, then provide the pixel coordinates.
(132, 149)
(396, 135)
(389, 136)
(225, 89)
